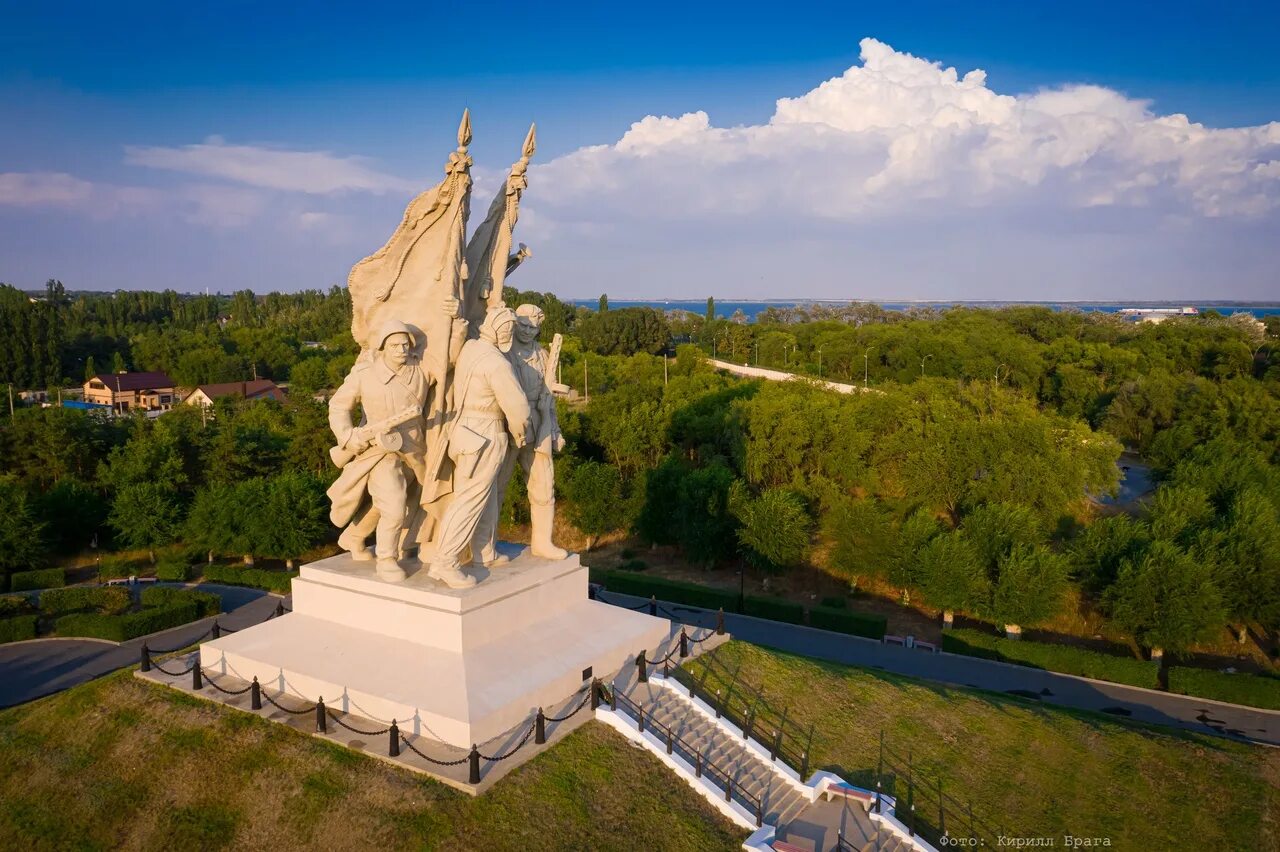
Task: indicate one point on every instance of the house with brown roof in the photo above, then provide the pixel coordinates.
(152, 390)
(256, 389)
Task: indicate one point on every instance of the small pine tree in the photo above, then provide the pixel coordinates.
(604, 302)
(711, 309)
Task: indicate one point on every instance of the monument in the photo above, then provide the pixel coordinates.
(437, 625)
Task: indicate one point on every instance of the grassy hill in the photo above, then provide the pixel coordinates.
(122, 764)
(1033, 770)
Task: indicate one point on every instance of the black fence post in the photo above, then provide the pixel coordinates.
(804, 765)
(879, 793)
(717, 704)
(720, 622)
(697, 766)
(777, 745)
(642, 674)
(641, 719)
(670, 737)
(216, 631)
(540, 728)
(595, 694)
(728, 788)
(474, 759)
(746, 726)
(255, 695)
(653, 604)
(279, 608)
(146, 658)
(393, 744)
(322, 724)
(591, 591)
(759, 813)
(942, 811)
(613, 698)
(684, 644)
(197, 681)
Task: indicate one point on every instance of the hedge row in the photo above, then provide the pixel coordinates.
(1249, 689)
(17, 628)
(119, 628)
(843, 621)
(176, 571)
(272, 581)
(206, 603)
(628, 583)
(116, 568)
(46, 578)
(110, 600)
(776, 609)
(11, 605)
(1057, 658)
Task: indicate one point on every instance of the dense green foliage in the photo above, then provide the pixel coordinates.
(1238, 688)
(17, 628)
(843, 621)
(693, 594)
(775, 609)
(121, 628)
(256, 578)
(1058, 658)
(206, 603)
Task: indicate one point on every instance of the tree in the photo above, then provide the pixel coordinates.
(594, 491)
(604, 302)
(211, 523)
(1030, 586)
(862, 536)
(711, 309)
(298, 514)
(625, 331)
(79, 509)
(1166, 599)
(21, 539)
(775, 527)
(308, 376)
(146, 514)
(950, 574)
(1103, 546)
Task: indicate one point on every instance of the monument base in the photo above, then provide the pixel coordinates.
(456, 666)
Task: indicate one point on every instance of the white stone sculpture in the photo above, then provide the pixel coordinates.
(491, 414)
(535, 368)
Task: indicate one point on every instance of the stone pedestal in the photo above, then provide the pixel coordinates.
(458, 666)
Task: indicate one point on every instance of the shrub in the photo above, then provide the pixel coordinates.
(1249, 689)
(120, 628)
(174, 570)
(12, 605)
(775, 609)
(46, 578)
(630, 583)
(833, 603)
(257, 578)
(109, 600)
(634, 565)
(116, 568)
(206, 603)
(17, 628)
(1066, 659)
(843, 621)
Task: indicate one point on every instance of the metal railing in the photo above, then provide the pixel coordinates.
(704, 767)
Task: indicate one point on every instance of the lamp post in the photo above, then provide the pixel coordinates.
(922, 360)
(1005, 367)
(819, 362)
(866, 369)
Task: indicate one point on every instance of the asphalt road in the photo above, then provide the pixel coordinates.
(30, 670)
(1113, 699)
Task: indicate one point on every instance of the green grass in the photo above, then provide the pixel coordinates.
(1239, 688)
(118, 764)
(1067, 659)
(1031, 769)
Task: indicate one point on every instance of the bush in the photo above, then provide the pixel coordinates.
(775, 609)
(630, 583)
(257, 578)
(206, 603)
(843, 621)
(173, 570)
(120, 628)
(833, 603)
(1249, 689)
(110, 600)
(12, 605)
(634, 565)
(17, 628)
(116, 568)
(46, 578)
(1066, 659)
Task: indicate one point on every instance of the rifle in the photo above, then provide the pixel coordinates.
(342, 455)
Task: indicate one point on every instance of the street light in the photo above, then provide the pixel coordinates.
(922, 360)
(865, 365)
(997, 378)
(819, 362)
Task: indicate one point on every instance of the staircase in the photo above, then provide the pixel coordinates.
(800, 825)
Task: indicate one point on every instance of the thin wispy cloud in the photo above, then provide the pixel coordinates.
(312, 172)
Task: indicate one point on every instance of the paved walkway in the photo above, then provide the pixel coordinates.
(30, 670)
(1126, 702)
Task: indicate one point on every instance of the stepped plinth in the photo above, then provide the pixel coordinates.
(458, 666)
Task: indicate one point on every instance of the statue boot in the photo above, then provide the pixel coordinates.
(451, 575)
(390, 570)
(540, 544)
(352, 541)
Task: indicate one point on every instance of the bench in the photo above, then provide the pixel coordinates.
(928, 646)
(894, 640)
(848, 791)
(784, 846)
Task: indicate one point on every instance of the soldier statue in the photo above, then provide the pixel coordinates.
(491, 414)
(534, 368)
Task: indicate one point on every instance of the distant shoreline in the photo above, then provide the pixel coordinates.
(752, 307)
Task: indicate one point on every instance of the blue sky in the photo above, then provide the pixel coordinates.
(273, 145)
